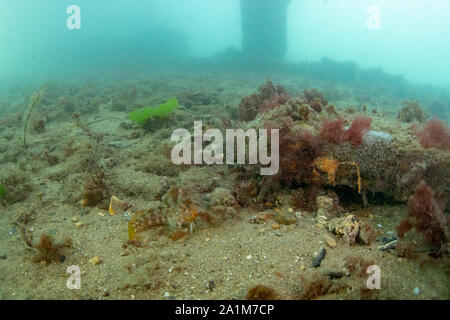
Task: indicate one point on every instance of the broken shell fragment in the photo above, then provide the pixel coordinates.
(116, 205)
(95, 260)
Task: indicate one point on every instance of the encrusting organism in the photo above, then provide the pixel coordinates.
(330, 167)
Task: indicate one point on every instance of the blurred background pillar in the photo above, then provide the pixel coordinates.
(264, 28)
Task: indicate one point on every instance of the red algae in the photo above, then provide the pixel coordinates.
(435, 134)
(333, 131)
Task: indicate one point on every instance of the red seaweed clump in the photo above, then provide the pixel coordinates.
(267, 98)
(333, 131)
(435, 134)
(357, 130)
(426, 216)
(298, 150)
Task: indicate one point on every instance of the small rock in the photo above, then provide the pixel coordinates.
(275, 226)
(334, 274)
(262, 217)
(416, 291)
(318, 260)
(285, 217)
(329, 241)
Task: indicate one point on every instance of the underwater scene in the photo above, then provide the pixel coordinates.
(224, 150)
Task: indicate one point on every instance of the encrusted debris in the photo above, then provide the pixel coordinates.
(346, 227)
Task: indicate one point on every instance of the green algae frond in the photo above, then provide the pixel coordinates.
(142, 115)
(2, 191)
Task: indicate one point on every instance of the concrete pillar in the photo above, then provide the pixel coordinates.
(264, 28)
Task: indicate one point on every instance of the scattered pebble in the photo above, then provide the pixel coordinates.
(285, 217)
(334, 274)
(275, 226)
(416, 291)
(330, 241)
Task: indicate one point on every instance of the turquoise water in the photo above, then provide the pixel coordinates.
(408, 38)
